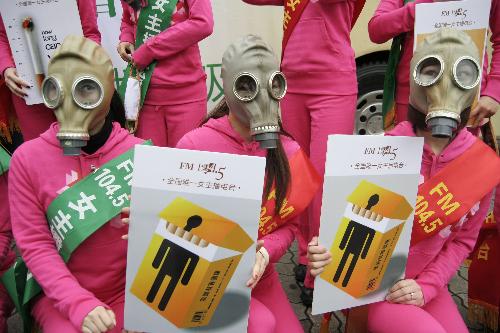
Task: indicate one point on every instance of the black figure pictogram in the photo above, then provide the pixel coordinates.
(356, 241)
(174, 260)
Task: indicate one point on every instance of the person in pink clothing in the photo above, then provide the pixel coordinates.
(175, 101)
(7, 255)
(86, 293)
(318, 61)
(421, 302)
(392, 19)
(36, 119)
(246, 122)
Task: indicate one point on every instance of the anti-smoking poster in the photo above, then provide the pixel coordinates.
(369, 197)
(194, 219)
(35, 29)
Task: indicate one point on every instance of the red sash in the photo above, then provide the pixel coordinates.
(304, 184)
(484, 276)
(293, 11)
(450, 194)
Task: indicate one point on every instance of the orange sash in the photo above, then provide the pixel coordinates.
(304, 184)
(450, 194)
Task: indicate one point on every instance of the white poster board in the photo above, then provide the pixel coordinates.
(232, 19)
(194, 219)
(369, 196)
(33, 41)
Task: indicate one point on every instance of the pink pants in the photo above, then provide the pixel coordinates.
(167, 124)
(270, 311)
(51, 320)
(33, 119)
(440, 315)
(310, 119)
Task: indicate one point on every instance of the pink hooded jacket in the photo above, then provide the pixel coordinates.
(319, 59)
(434, 261)
(96, 270)
(217, 135)
(175, 50)
(392, 19)
(88, 17)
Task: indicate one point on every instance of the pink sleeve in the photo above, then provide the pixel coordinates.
(38, 250)
(265, 2)
(440, 271)
(5, 229)
(179, 37)
(127, 27)
(88, 17)
(6, 59)
(277, 242)
(492, 88)
(392, 19)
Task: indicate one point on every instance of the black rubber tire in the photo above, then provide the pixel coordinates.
(370, 76)
(370, 81)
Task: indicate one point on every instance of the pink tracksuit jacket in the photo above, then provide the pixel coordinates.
(434, 261)
(176, 51)
(270, 310)
(319, 59)
(95, 273)
(392, 19)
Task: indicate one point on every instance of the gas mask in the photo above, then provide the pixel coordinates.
(79, 87)
(253, 87)
(445, 75)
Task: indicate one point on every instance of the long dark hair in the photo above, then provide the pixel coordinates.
(277, 166)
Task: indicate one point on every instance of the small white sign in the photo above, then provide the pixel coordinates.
(35, 29)
(369, 196)
(194, 220)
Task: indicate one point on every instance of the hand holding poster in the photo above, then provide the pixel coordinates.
(369, 196)
(35, 29)
(191, 240)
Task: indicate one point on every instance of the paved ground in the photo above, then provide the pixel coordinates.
(458, 289)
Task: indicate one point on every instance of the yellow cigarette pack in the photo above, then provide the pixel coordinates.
(189, 263)
(366, 238)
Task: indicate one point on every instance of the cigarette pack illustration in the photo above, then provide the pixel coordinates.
(366, 238)
(189, 263)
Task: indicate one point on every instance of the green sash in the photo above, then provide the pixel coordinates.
(73, 216)
(4, 160)
(153, 19)
(388, 102)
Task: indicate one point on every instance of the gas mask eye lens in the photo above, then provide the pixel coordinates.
(51, 92)
(277, 85)
(428, 71)
(246, 87)
(466, 72)
(87, 92)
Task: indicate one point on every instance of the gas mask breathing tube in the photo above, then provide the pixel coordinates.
(253, 86)
(445, 76)
(78, 88)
